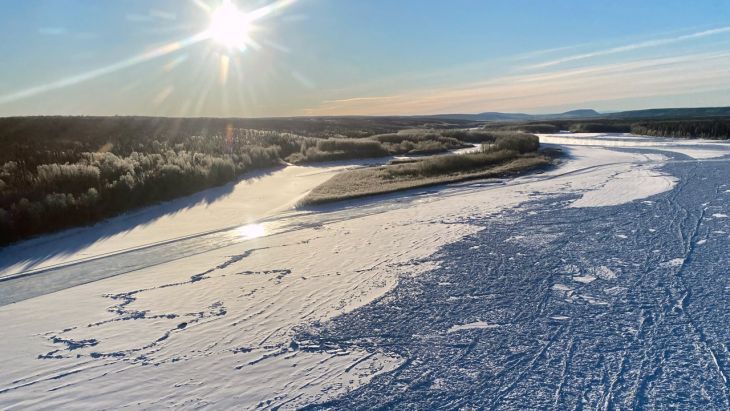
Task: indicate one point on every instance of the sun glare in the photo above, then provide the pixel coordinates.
(251, 231)
(229, 26)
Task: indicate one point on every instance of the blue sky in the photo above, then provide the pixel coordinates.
(330, 57)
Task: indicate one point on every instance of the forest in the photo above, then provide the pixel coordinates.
(60, 172)
(711, 128)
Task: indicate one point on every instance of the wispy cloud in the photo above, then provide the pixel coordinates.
(538, 53)
(360, 99)
(632, 47)
(151, 15)
(89, 75)
(578, 86)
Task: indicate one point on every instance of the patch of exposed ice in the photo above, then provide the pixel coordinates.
(720, 215)
(535, 239)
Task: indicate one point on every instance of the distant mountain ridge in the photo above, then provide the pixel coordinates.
(497, 116)
(657, 113)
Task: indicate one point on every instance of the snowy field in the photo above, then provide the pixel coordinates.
(600, 284)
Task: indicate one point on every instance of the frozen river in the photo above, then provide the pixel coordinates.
(601, 284)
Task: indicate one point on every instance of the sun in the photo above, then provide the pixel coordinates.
(229, 26)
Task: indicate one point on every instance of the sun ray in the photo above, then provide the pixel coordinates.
(89, 75)
(230, 29)
(225, 64)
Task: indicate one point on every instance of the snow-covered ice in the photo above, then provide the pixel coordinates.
(451, 297)
(476, 325)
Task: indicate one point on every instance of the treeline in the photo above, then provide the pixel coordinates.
(718, 129)
(506, 147)
(59, 172)
(539, 128)
(710, 129)
(505, 153)
(128, 134)
(599, 128)
(38, 197)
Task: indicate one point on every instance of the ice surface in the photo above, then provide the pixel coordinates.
(558, 290)
(695, 148)
(476, 325)
(255, 197)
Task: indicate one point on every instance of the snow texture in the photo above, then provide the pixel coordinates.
(514, 294)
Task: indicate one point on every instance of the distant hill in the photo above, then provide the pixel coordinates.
(669, 113)
(580, 113)
(496, 116)
(657, 113)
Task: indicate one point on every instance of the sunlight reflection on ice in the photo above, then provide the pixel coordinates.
(250, 231)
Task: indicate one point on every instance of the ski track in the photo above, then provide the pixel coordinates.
(549, 305)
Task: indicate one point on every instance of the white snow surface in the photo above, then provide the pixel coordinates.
(247, 201)
(214, 329)
(695, 148)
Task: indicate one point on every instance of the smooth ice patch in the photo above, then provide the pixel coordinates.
(626, 184)
(585, 279)
(472, 326)
(561, 287)
(672, 263)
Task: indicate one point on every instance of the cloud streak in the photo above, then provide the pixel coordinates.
(642, 78)
(102, 71)
(632, 47)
